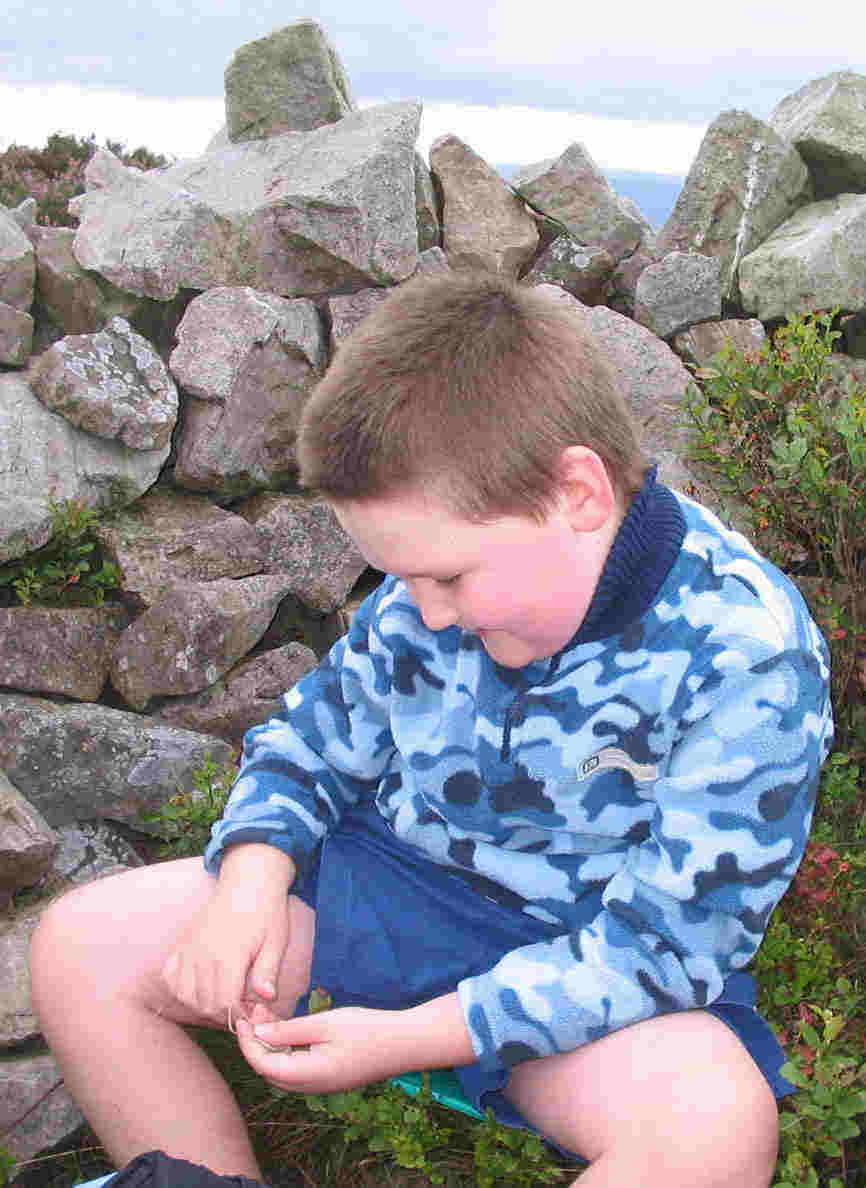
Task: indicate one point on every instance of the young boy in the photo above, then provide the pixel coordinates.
(530, 816)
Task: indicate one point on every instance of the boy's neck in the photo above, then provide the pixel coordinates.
(645, 543)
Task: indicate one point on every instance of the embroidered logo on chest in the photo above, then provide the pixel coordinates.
(616, 758)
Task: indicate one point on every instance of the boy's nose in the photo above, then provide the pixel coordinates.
(436, 606)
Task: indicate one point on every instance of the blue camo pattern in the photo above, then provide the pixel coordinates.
(651, 792)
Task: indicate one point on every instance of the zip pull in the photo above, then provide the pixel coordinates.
(514, 711)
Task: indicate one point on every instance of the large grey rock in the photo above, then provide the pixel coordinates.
(573, 190)
(17, 264)
(193, 635)
(679, 290)
(27, 845)
(700, 343)
(826, 121)
(16, 336)
(170, 536)
(816, 260)
(248, 694)
(251, 360)
(84, 762)
(300, 214)
(484, 225)
(64, 650)
(582, 271)
(621, 287)
(44, 458)
(743, 183)
(303, 539)
(36, 1110)
(289, 81)
(112, 384)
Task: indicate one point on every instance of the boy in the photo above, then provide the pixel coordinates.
(533, 811)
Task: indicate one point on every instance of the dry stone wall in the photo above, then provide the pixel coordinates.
(153, 365)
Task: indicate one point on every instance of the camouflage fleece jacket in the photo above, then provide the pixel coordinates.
(650, 788)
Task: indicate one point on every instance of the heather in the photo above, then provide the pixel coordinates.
(55, 173)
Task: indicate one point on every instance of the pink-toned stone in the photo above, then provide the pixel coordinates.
(248, 694)
(169, 536)
(303, 539)
(65, 650)
(484, 224)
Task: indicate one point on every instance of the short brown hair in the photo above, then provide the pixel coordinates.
(470, 387)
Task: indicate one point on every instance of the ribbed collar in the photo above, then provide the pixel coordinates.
(644, 549)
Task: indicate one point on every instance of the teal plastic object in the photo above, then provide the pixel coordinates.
(444, 1087)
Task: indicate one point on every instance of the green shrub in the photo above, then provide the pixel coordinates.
(7, 1166)
(54, 174)
(185, 820)
(69, 570)
(831, 1078)
(788, 439)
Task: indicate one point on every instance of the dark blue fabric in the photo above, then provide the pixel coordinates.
(394, 930)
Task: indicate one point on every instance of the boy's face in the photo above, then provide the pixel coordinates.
(522, 587)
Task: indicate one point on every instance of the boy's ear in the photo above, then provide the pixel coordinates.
(589, 498)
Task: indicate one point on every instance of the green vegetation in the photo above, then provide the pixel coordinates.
(69, 570)
(185, 820)
(54, 174)
(786, 437)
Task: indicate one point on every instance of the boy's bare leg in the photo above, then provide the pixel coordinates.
(115, 1030)
(675, 1101)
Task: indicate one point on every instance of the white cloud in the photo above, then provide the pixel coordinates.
(523, 135)
(502, 135)
(174, 127)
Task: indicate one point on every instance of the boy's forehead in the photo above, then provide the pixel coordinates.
(411, 535)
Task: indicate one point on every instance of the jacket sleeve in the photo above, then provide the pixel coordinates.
(690, 904)
(322, 754)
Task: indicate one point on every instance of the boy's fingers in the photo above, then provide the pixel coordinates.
(266, 967)
(305, 1029)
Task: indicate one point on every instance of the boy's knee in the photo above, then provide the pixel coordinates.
(65, 933)
(54, 934)
(755, 1118)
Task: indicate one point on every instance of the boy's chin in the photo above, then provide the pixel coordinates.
(510, 652)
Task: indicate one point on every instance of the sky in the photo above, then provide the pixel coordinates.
(636, 83)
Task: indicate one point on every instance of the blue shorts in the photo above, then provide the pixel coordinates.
(394, 930)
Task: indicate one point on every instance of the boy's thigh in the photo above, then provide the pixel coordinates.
(113, 936)
(678, 1089)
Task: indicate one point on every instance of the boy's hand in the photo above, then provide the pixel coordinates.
(348, 1047)
(353, 1046)
(232, 953)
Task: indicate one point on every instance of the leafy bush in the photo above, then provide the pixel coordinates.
(831, 1079)
(54, 174)
(185, 820)
(788, 439)
(69, 570)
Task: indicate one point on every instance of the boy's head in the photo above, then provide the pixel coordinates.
(471, 388)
